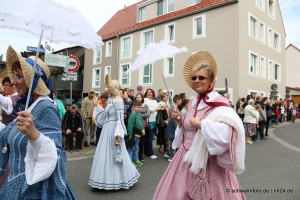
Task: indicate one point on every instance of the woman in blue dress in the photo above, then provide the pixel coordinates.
(109, 172)
(31, 144)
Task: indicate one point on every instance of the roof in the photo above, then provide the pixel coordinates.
(293, 88)
(124, 20)
(291, 45)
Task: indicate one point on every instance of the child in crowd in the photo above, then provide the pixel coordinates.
(136, 130)
(277, 114)
(184, 105)
(282, 111)
(294, 112)
(170, 130)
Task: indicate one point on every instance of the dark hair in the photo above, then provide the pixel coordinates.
(184, 102)
(131, 90)
(104, 96)
(182, 95)
(6, 80)
(137, 103)
(142, 101)
(153, 93)
(122, 90)
(264, 99)
(243, 99)
(176, 98)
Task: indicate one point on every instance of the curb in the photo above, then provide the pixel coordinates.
(281, 141)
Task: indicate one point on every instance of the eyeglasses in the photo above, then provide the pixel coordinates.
(200, 78)
(17, 77)
(6, 85)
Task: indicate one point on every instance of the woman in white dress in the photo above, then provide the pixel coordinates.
(109, 172)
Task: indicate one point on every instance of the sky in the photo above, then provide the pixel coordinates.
(98, 12)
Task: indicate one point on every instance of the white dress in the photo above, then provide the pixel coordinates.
(106, 173)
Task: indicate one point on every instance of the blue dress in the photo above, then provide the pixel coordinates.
(47, 121)
(106, 173)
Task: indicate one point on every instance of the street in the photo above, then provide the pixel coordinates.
(272, 171)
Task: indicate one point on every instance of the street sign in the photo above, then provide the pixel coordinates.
(73, 63)
(34, 49)
(139, 88)
(71, 76)
(56, 60)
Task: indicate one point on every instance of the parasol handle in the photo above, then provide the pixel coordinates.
(170, 98)
(33, 71)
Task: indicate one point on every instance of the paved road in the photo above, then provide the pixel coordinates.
(272, 171)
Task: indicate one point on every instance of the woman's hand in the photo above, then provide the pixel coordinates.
(117, 141)
(195, 123)
(176, 116)
(26, 126)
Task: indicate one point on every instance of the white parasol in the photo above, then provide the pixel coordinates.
(155, 52)
(49, 19)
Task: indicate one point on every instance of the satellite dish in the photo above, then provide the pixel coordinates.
(274, 86)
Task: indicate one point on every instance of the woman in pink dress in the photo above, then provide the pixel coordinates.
(211, 142)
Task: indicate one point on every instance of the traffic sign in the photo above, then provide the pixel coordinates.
(71, 76)
(139, 88)
(34, 49)
(56, 60)
(73, 63)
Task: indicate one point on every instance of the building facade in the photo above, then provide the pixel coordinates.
(247, 39)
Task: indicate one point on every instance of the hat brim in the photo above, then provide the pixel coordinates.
(201, 57)
(12, 56)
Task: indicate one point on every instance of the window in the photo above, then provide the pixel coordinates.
(193, 2)
(276, 42)
(253, 26)
(146, 77)
(270, 70)
(277, 72)
(170, 32)
(271, 8)
(126, 47)
(262, 65)
(270, 37)
(253, 62)
(169, 67)
(107, 70)
(96, 77)
(199, 26)
(97, 56)
(165, 6)
(142, 14)
(125, 77)
(262, 32)
(108, 50)
(253, 93)
(147, 38)
(260, 4)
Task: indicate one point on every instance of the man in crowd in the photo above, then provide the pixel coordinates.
(72, 123)
(87, 109)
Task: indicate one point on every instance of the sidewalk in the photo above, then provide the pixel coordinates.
(85, 152)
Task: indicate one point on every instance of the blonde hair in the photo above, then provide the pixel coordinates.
(206, 67)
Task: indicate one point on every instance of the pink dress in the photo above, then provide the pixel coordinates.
(177, 180)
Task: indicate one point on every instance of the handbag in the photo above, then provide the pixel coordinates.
(118, 156)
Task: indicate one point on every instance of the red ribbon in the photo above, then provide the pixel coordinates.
(204, 96)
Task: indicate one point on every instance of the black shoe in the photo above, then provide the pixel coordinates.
(266, 134)
(86, 144)
(93, 143)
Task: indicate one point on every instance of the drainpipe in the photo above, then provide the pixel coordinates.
(118, 61)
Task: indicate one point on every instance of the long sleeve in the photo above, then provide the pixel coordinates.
(99, 116)
(6, 104)
(131, 122)
(83, 108)
(216, 136)
(120, 129)
(40, 160)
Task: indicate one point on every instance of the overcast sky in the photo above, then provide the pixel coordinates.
(98, 12)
